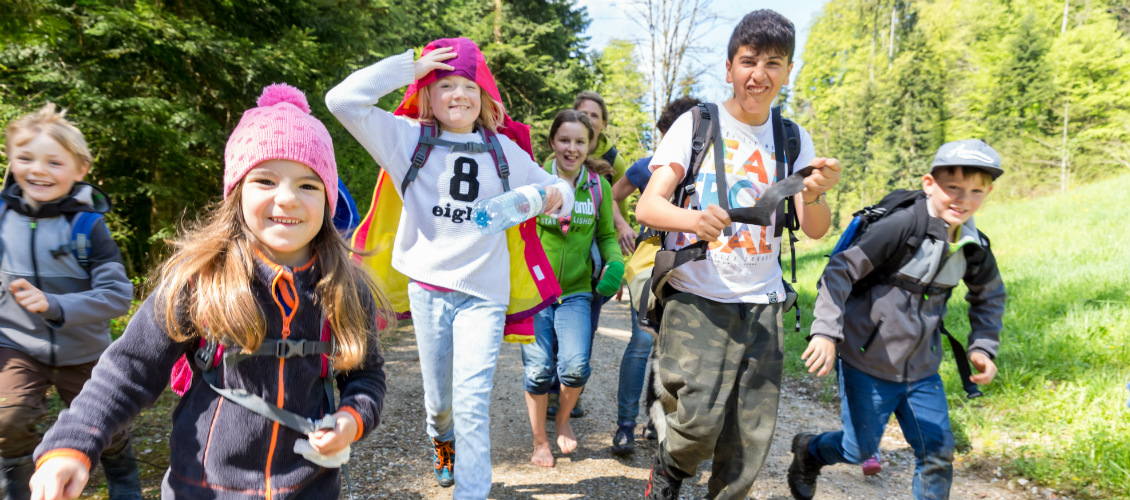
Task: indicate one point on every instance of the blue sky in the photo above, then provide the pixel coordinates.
(614, 19)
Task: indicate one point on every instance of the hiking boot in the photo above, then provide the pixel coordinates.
(122, 479)
(804, 469)
(661, 486)
(15, 474)
(444, 454)
(624, 440)
(578, 410)
(872, 466)
(551, 406)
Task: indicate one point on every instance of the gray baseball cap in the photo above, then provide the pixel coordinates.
(969, 153)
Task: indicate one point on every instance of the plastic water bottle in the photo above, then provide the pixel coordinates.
(494, 215)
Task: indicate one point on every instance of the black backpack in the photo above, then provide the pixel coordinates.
(886, 273)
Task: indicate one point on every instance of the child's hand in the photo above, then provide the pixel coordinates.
(433, 60)
(28, 296)
(553, 200)
(821, 353)
(986, 369)
(331, 441)
(59, 478)
(711, 222)
(825, 175)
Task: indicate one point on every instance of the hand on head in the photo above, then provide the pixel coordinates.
(28, 296)
(59, 478)
(434, 60)
(825, 175)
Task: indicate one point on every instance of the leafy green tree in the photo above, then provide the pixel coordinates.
(625, 91)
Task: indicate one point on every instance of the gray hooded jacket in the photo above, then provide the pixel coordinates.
(75, 329)
(890, 332)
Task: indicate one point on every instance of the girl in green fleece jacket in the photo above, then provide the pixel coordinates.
(563, 330)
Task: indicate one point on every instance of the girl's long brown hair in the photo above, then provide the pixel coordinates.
(204, 287)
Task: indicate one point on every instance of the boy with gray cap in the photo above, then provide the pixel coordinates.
(888, 330)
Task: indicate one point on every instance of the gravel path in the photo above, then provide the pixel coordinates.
(395, 462)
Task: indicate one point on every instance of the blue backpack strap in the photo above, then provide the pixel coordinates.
(81, 227)
(428, 132)
(496, 152)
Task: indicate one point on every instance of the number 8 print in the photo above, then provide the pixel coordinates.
(470, 177)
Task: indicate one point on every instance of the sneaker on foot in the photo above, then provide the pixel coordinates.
(872, 466)
(660, 486)
(444, 455)
(804, 469)
(551, 406)
(624, 440)
(578, 410)
(650, 433)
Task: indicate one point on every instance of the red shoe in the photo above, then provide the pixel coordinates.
(872, 466)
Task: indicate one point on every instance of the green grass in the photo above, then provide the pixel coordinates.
(1056, 412)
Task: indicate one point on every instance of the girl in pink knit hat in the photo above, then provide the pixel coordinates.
(262, 296)
(459, 290)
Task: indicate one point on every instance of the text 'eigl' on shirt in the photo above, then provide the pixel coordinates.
(741, 267)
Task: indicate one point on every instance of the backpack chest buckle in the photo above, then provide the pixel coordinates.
(290, 348)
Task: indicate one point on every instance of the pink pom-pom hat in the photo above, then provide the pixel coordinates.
(281, 128)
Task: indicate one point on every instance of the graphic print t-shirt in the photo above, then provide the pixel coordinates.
(741, 267)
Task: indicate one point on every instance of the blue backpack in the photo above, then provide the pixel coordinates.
(82, 223)
(346, 217)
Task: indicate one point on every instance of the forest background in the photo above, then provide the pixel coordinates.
(157, 85)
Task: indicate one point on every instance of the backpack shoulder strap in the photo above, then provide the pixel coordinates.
(786, 148)
(610, 155)
(499, 155)
(419, 155)
(81, 227)
(597, 191)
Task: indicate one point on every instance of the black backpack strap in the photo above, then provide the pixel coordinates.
(786, 145)
(499, 155)
(962, 361)
(719, 166)
(428, 132)
(610, 155)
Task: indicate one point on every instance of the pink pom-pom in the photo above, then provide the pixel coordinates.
(281, 92)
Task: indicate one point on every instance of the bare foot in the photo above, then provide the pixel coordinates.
(565, 438)
(542, 457)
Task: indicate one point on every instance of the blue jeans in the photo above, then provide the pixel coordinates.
(866, 404)
(457, 388)
(633, 371)
(562, 345)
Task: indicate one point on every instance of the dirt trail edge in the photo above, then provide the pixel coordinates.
(395, 461)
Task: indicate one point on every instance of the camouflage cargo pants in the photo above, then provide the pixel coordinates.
(723, 362)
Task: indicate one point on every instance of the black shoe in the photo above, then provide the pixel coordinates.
(804, 469)
(578, 411)
(661, 486)
(624, 440)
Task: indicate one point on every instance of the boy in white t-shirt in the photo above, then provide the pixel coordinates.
(720, 346)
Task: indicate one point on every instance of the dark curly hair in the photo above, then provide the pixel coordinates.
(764, 30)
(674, 110)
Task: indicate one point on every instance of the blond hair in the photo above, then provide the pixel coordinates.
(204, 287)
(491, 113)
(53, 123)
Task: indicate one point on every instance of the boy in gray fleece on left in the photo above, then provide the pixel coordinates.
(54, 312)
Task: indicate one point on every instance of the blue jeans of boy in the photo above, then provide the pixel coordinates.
(457, 388)
(562, 345)
(866, 404)
(633, 371)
